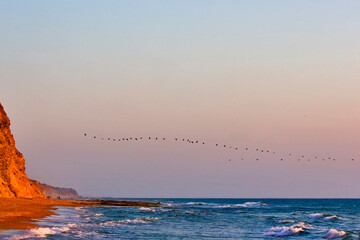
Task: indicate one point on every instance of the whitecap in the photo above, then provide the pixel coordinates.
(195, 203)
(140, 220)
(332, 217)
(283, 231)
(72, 225)
(286, 221)
(324, 216)
(144, 220)
(109, 223)
(250, 204)
(189, 212)
(146, 209)
(303, 225)
(223, 206)
(42, 232)
(98, 214)
(334, 233)
(316, 215)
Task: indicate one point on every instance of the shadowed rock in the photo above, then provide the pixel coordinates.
(55, 192)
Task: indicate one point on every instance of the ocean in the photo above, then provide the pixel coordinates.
(205, 219)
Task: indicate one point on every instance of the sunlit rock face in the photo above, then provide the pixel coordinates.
(13, 181)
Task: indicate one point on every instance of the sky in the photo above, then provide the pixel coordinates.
(276, 75)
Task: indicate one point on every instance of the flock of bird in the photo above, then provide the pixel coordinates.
(299, 158)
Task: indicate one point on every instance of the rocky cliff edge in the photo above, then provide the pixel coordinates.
(13, 181)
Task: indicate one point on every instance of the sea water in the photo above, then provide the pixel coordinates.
(205, 219)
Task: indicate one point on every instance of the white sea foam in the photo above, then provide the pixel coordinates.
(137, 220)
(303, 225)
(109, 223)
(334, 233)
(283, 231)
(144, 220)
(316, 215)
(324, 216)
(72, 225)
(332, 217)
(250, 204)
(98, 214)
(223, 206)
(43, 232)
(288, 231)
(146, 209)
(286, 221)
(195, 203)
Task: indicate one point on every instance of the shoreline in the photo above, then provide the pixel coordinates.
(23, 214)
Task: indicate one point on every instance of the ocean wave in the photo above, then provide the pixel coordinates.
(316, 215)
(251, 204)
(286, 221)
(42, 232)
(140, 220)
(144, 220)
(224, 206)
(195, 203)
(332, 217)
(168, 205)
(303, 225)
(325, 216)
(72, 225)
(247, 204)
(148, 209)
(334, 233)
(98, 214)
(283, 231)
(288, 231)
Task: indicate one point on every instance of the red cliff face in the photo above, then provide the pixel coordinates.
(13, 181)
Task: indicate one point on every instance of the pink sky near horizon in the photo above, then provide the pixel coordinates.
(283, 77)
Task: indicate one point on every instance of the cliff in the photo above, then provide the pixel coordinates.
(54, 192)
(13, 181)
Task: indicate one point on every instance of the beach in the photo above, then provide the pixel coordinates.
(23, 213)
(17, 213)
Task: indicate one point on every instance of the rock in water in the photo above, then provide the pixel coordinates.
(13, 181)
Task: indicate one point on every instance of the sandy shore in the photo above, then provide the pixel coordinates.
(24, 213)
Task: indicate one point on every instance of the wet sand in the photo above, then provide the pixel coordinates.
(24, 213)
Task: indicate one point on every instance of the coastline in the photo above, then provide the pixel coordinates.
(22, 214)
